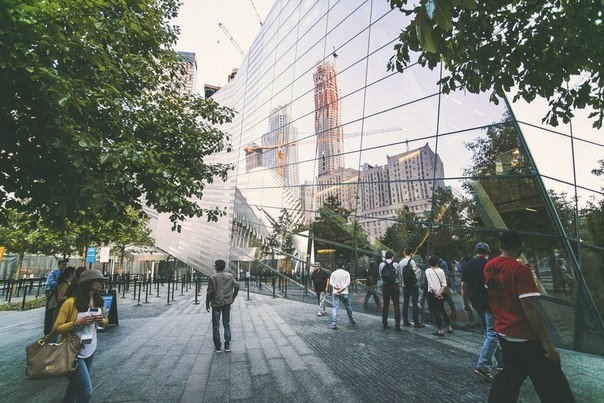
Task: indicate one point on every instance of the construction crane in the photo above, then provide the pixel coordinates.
(228, 34)
(280, 145)
(256, 11)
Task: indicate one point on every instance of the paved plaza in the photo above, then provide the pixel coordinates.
(281, 352)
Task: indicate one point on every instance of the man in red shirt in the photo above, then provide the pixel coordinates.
(526, 346)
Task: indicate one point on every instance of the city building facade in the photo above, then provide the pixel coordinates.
(502, 167)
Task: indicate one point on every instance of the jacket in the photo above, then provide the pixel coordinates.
(222, 289)
(68, 314)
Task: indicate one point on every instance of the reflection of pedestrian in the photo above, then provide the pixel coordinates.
(340, 280)
(320, 282)
(526, 346)
(222, 291)
(372, 279)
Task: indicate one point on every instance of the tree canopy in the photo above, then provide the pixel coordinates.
(93, 121)
(547, 48)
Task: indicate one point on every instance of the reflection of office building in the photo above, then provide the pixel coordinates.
(408, 179)
(279, 147)
(341, 184)
(189, 78)
(330, 136)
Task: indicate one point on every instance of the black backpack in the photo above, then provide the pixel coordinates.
(409, 279)
(388, 273)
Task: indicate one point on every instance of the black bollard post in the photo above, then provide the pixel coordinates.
(196, 291)
(273, 286)
(285, 282)
(134, 294)
(24, 296)
(182, 287)
(147, 289)
(157, 279)
(168, 301)
(123, 289)
(247, 285)
(174, 283)
(140, 285)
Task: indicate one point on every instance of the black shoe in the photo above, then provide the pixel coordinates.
(406, 324)
(334, 327)
(486, 375)
(398, 328)
(227, 347)
(217, 350)
(353, 322)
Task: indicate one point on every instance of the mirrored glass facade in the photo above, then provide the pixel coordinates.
(338, 159)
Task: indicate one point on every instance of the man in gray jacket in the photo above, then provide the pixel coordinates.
(222, 290)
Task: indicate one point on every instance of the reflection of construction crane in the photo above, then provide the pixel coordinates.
(280, 145)
(226, 32)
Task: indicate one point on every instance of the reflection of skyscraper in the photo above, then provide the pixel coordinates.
(330, 136)
(280, 150)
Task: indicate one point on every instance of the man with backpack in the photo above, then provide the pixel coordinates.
(411, 273)
(390, 273)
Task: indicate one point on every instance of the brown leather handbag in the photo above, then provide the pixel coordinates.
(46, 359)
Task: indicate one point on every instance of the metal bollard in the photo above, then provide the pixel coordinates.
(273, 287)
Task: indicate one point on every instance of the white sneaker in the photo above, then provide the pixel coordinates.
(319, 314)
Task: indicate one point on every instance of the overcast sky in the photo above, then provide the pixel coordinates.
(200, 33)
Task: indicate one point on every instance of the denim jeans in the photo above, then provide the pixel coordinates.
(321, 294)
(524, 359)
(336, 306)
(413, 294)
(225, 311)
(79, 388)
(491, 344)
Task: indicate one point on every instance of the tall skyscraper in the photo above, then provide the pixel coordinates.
(280, 148)
(328, 128)
(188, 80)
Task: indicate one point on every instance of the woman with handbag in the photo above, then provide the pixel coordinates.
(437, 283)
(81, 315)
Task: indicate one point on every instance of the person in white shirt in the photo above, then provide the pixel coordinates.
(339, 281)
(437, 282)
(410, 290)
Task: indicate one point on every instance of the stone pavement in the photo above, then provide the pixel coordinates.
(281, 351)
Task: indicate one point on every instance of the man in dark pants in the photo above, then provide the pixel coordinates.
(391, 291)
(373, 276)
(410, 290)
(320, 283)
(474, 291)
(222, 290)
(526, 346)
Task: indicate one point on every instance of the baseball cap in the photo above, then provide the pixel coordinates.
(482, 247)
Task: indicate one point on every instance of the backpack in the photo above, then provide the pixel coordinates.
(409, 279)
(388, 273)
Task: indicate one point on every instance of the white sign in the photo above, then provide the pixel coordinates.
(104, 254)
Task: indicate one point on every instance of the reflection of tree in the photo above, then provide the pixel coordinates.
(405, 232)
(592, 216)
(280, 241)
(334, 231)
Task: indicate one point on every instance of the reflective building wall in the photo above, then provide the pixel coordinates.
(361, 159)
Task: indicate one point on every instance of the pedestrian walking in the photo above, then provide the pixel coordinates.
(340, 280)
(320, 283)
(81, 315)
(473, 291)
(526, 346)
(390, 274)
(222, 291)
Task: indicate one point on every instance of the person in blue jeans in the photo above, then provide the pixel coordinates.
(81, 315)
(474, 291)
(222, 291)
(340, 280)
(411, 290)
